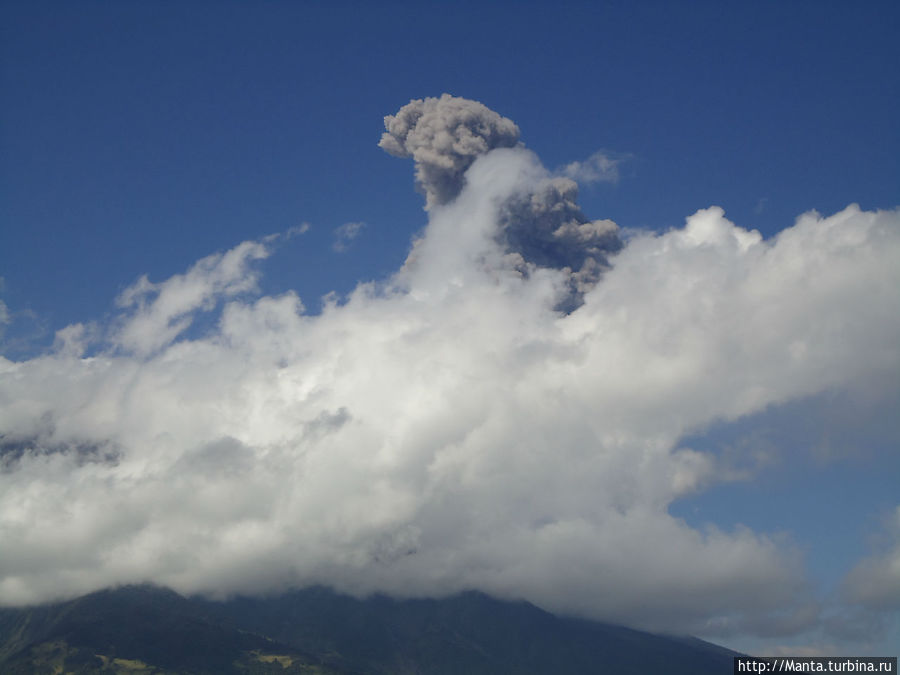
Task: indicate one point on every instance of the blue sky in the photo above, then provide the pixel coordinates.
(137, 138)
(149, 134)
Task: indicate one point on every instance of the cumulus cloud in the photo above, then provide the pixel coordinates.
(450, 428)
(162, 311)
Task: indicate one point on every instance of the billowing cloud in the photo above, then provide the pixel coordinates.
(163, 311)
(544, 227)
(449, 428)
(540, 223)
(444, 136)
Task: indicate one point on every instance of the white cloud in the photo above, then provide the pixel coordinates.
(875, 581)
(346, 233)
(5, 317)
(163, 311)
(451, 430)
(598, 168)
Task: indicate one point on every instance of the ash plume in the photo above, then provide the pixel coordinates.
(546, 228)
(444, 136)
(541, 226)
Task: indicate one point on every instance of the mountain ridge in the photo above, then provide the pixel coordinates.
(153, 630)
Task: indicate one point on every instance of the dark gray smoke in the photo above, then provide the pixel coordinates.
(444, 136)
(542, 228)
(547, 229)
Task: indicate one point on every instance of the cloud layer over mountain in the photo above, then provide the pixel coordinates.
(505, 413)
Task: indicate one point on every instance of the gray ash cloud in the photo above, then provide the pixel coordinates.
(444, 136)
(541, 228)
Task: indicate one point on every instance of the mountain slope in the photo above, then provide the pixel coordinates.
(468, 633)
(137, 629)
(151, 630)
